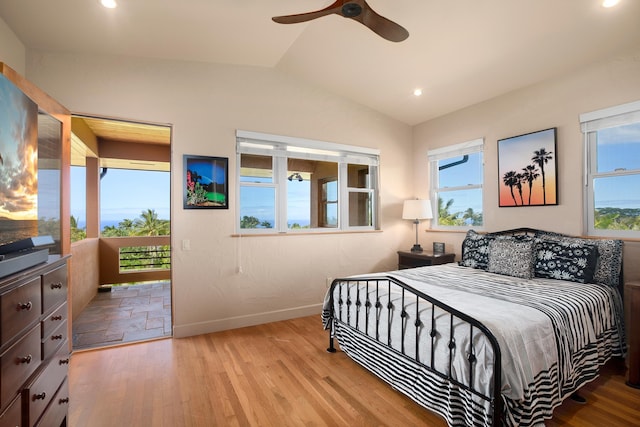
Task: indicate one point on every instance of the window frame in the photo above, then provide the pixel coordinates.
(434, 156)
(281, 149)
(590, 124)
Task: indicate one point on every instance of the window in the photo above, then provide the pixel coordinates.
(291, 184)
(456, 184)
(612, 171)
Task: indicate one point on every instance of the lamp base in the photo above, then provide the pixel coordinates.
(416, 248)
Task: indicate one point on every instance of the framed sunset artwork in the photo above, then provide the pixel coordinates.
(527, 169)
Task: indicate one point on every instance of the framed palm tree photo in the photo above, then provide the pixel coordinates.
(206, 182)
(527, 169)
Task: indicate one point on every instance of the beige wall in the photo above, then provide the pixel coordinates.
(285, 276)
(12, 51)
(554, 103)
(282, 276)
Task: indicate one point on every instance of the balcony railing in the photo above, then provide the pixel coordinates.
(145, 258)
(134, 259)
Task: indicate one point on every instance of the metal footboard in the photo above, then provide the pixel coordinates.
(420, 330)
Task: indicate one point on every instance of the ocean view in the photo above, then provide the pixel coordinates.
(103, 224)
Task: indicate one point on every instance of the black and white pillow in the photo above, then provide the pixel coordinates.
(573, 261)
(475, 250)
(511, 257)
(609, 264)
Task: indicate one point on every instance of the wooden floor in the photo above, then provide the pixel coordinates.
(276, 374)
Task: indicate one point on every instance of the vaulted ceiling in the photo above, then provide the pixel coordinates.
(459, 52)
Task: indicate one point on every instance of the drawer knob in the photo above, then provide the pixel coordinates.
(56, 337)
(25, 359)
(25, 306)
(64, 361)
(40, 396)
(54, 318)
(63, 400)
(56, 285)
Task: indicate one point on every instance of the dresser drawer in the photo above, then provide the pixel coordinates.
(19, 307)
(54, 320)
(37, 395)
(57, 410)
(54, 288)
(51, 342)
(18, 363)
(12, 417)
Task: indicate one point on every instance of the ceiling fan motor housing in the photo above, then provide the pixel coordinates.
(351, 10)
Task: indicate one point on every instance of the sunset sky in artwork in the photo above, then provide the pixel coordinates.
(19, 153)
(514, 154)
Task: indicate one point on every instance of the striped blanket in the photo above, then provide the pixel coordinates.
(553, 335)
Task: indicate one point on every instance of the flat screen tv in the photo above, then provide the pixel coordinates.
(30, 180)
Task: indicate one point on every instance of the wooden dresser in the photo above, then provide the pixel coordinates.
(632, 311)
(34, 346)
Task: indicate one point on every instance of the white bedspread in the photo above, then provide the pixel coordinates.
(549, 331)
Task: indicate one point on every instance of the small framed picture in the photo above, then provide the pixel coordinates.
(205, 182)
(438, 248)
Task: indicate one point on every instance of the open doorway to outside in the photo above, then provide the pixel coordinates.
(120, 231)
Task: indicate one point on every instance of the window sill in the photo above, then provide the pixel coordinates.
(306, 233)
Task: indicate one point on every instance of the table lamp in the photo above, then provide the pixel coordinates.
(416, 210)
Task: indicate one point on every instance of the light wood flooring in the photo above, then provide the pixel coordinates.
(276, 374)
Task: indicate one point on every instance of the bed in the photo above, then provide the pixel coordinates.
(502, 337)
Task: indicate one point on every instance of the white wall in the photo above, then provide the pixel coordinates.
(283, 276)
(12, 51)
(554, 103)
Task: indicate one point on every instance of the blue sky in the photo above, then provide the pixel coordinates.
(618, 148)
(124, 194)
(260, 201)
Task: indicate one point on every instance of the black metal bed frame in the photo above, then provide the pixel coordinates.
(495, 398)
(365, 309)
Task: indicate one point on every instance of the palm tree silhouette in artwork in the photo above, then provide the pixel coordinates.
(540, 158)
(530, 174)
(195, 176)
(511, 179)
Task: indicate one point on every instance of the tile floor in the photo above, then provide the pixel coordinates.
(126, 314)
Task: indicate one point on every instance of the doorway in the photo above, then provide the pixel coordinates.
(120, 228)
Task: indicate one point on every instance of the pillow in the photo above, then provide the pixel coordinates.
(562, 260)
(475, 250)
(609, 263)
(511, 257)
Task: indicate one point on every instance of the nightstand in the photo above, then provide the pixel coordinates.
(632, 309)
(407, 259)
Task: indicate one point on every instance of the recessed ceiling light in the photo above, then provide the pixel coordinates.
(610, 3)
(417, 92)
(110, 4)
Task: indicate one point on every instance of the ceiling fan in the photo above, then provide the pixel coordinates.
(358, 10)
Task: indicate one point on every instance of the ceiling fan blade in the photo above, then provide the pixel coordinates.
(380, 25)
(303, 17)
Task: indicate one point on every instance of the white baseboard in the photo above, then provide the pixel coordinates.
(191, 329)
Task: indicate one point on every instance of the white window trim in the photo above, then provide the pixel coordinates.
(590, 123)
(280, 148)
(461, 149)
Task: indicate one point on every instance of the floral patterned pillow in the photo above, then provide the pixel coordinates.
(511, 257)
(475, 250)
(573, 261)
(609, 264)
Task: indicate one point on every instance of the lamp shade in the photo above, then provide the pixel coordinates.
(417, 209)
